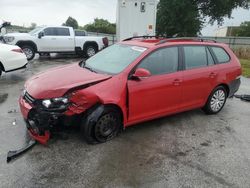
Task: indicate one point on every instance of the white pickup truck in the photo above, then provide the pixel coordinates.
(52, 39)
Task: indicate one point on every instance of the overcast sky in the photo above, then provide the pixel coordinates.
(55, 12)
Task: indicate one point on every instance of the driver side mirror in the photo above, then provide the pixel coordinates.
(41, 34)
(141, 73)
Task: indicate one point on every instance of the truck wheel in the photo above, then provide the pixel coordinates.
(90, 51)
(104, 128)
(216, 101)
(29, 52)
(0, 72)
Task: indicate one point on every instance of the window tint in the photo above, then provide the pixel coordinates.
(195, 56)
(62, 32)
(80, 33)
(50, 31)
(221, 55)
(209, 58)
(162, 61)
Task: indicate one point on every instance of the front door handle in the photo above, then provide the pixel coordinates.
(177, 82)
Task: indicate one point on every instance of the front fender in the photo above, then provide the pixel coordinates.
(89, 121)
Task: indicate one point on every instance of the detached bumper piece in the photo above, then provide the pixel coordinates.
(14, 154)
(243, 97)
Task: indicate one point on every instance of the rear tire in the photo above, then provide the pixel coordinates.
(29, 52)
(216, 101)
(104, 129)
(0, 72)
(90, 51)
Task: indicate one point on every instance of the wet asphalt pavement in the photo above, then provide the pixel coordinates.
(189, 149)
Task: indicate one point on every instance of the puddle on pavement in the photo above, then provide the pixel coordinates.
(3, 97)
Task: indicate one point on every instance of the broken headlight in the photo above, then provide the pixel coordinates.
(59, 103)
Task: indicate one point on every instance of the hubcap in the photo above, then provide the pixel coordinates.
(90, 51)
(217, 100)
(28, 52)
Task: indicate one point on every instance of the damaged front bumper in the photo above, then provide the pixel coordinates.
(39, 122)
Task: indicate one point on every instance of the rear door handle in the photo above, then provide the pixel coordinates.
(212, 75)
(53, 38)
(177, 82)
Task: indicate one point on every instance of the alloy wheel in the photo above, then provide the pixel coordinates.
(218, 99)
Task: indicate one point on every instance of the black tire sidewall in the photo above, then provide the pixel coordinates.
(114, 113)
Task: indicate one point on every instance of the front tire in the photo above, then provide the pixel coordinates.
(216, 101)
(104, 129)
(29, 52)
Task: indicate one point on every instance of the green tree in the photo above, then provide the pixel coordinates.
(71, 22)
(243, 30)
(187, 17)
(101, 26)
(33, 26)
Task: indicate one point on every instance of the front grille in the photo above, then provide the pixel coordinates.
(28, 98)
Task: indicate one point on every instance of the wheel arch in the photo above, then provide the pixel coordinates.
(103, 106)
(117, 108)
(225, 86)
(89, 43)
(28, 43)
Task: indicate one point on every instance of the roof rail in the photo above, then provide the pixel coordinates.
(144, 36)
(185, 38)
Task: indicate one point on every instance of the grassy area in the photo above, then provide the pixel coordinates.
(245, 63)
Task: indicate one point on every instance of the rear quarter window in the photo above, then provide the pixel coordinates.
(221, 55)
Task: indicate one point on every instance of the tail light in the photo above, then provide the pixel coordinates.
(105, 41)
(17, 50)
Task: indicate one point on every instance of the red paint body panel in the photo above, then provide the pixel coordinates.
(154, 96)
(24, 107)
(41, 139)
(138, 100)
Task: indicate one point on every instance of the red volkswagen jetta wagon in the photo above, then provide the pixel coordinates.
(136, 80)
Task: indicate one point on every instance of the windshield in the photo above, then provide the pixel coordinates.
(34, 31)
(114, 59)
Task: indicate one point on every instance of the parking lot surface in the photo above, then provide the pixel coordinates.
(189, 149)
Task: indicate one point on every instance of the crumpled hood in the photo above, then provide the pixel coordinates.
(57, 81)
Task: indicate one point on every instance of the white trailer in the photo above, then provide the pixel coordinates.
(136, 18)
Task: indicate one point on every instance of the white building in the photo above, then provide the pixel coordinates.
(136, 18)
(225, 31)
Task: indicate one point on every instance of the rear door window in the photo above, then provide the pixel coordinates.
(221, 55)
(80, 33)
(62, 32)
(195, 56)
